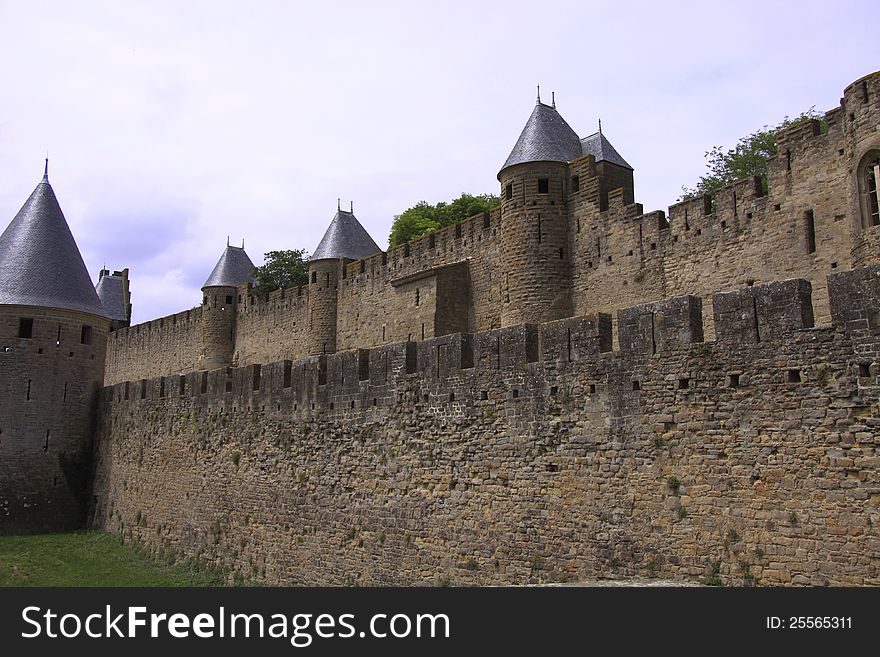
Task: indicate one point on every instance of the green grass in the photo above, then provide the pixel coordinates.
(92, 558)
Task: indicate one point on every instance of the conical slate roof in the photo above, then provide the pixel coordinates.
(40, 264)
(600, 148)
(545, 138)
(233, 269)
(111, 292)
(345, 238)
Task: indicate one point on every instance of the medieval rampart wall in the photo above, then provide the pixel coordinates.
(527, 454)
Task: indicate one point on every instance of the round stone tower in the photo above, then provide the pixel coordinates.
(536, 283)
(220, 306)
(53, 337)
(323, 294)
(345, 240)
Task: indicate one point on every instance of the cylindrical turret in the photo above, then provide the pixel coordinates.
(323, 295)
(51, 371)
(343, 241)
(535, 258)
(219, 310)
(536, 283)
(220, 306)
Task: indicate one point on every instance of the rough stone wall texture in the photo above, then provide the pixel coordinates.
(379, 294)
(742, 236)
(859, 115)
(535, 254)
(168, 345)
(49, 387)
(526, 454)
(271, 327)
(746, 234)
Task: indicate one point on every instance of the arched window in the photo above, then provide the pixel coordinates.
(869, 189)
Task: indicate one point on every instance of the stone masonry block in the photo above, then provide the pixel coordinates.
(763, 312)
(855, 299)
(515, 345)
(440, 356)
(661, 326)
(568, 340)
(386, 363)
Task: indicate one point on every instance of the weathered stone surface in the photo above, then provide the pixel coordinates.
(49, 388)
(752, 462)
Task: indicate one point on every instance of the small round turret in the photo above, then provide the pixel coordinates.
(536, 284)
(345, 240)
(220, 306)
(323, 294)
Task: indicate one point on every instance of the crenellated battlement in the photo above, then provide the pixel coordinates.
(164, 345)
(160, 325)
(362, 379)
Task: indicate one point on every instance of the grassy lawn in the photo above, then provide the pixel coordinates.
(90, 558)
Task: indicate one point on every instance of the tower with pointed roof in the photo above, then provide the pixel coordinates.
(53, 337)
(536, 189)
(220, 305)
(344, 241)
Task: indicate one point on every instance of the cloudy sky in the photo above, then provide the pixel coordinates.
(170, 125)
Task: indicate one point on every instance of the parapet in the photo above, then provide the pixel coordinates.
(506, 347)
(367, 378)
(855, 299)
(569, 340)
(763, 312)
(797, 133)
(661, 326)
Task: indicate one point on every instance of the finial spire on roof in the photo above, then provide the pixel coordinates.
(553, 99)
(546, 137)
(242, 242)
(40, 264)
(539, 94)
(234, 268)
(345, 237)
(46, 169)
(600, 126)
(338, 204)
(227, 240)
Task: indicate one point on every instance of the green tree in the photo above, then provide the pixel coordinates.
(413, 222)
(423, 218)
(747, 159)
(281, 269)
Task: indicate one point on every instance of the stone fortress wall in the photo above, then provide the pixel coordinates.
(169, 344)
(532, 453)
(584, 239)
(399, 420)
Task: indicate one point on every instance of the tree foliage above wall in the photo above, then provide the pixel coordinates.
(747, 159)
(282, 269)
(423, 218)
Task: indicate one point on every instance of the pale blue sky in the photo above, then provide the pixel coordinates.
(171, 125)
